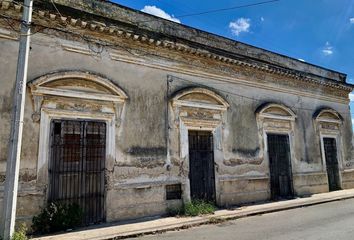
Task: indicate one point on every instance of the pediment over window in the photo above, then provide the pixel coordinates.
(275, 111)
(74, 90)
(199, 108)
(327, 115)
(200, 98)
(77, 85)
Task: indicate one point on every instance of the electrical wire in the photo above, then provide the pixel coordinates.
(216, 10)
(226, 9)
(55, 6)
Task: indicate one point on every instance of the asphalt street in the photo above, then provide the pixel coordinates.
(330, 221)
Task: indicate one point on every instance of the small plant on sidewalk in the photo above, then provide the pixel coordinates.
(193, 208)
(198, 207)
(20, 233)
(56, 217)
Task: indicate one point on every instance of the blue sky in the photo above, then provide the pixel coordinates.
(320, 32)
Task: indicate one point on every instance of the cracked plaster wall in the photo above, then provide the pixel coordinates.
(135, 186)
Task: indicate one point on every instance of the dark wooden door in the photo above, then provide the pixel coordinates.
(201, 165)
(330, 149)
(280, 166)
(76, 168)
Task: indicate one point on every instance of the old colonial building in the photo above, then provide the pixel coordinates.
(129, 114)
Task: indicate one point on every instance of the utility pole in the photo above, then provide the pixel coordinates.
(13, 158)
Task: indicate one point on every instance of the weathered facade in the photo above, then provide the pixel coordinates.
(137, 114)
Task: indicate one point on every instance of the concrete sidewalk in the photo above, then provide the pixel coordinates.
(173, 223)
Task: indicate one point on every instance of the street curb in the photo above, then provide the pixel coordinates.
(173, 224)
(213, 219)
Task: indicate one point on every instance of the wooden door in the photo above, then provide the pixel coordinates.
(201, 165)
(280, 166)
(330, 149)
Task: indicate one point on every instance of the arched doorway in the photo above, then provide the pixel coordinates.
(276, 123)
(328, 124)
(78, 113)
(200, 114)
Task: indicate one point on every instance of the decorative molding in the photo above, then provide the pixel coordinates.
(148, 184)
(182, 103)
(39, 82)
(204, 91)
(263, 114)
(8, 36)
(76, 49)
(241, 178)
(198, 117)
(333, 118)
(38, 100)
(222, 78)
(200, 124)
(41, 90)
(47, 114)
(300, 174)
(101, 27)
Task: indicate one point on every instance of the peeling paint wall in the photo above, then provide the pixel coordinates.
(136, 176)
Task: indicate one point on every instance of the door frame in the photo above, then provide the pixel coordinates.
(82, 161)
(288, 133)
(189, 172)
(339, 156)
(184, 153)
(47, 115)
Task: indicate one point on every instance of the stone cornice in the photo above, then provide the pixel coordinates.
(51, 17)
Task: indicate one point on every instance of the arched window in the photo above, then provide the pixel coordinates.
(74, 96)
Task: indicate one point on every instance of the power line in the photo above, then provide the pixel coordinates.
(226, 9)
(216, 10)
(55, 6)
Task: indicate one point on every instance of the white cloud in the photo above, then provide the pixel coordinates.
(351, 97)
(240, 25)
(327, 50)
(153, 10)
(302, 60)
(351, 20)
(262, 19)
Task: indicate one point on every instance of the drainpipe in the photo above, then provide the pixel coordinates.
(13, 159)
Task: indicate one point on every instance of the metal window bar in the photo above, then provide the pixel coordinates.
(77, 165)
(173, 192)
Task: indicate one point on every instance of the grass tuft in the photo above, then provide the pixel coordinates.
(193, 208)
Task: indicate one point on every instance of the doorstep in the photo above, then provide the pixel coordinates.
(121, 231)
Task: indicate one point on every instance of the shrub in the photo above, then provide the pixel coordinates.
(193, 208)
(57, 216)
(20, 234)
(176, 211)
